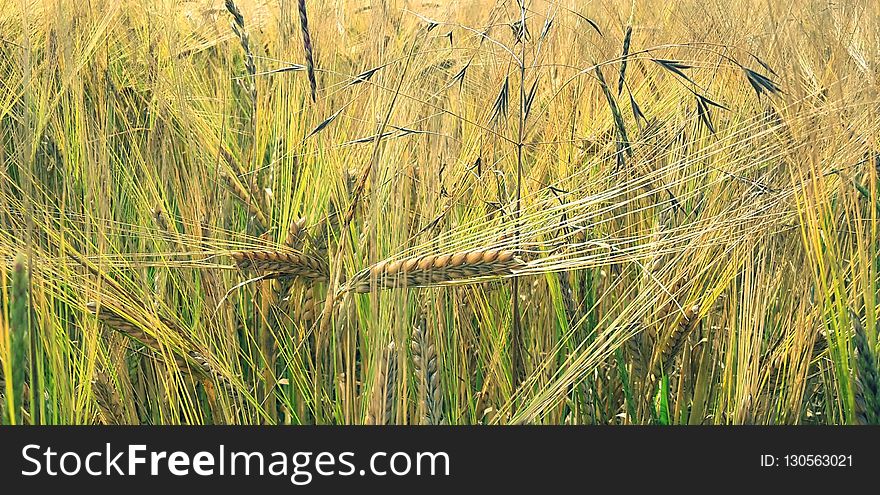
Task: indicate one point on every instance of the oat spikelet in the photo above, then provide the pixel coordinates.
(624, 57)
(866, 381)
(424, 354)
(381, 411)
(307, 47)
(424, 271)
(280, 264)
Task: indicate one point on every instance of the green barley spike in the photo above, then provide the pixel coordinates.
(867, 377)
(663, 401)
(19, 323)
(627, 388)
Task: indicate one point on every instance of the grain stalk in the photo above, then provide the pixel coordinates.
(336, 268)
(255, 200)
(516, 341)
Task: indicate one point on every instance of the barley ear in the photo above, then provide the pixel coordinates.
(107, 399)
(190, 362)
(429, 270)
(249, 200)
(424, 354)
(381, 410)
(671, 346)
(275, 264)
(866, 380)
(19, 334)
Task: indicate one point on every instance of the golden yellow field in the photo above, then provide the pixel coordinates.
(463, 212)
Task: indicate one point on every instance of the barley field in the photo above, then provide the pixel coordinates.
(464, 212)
